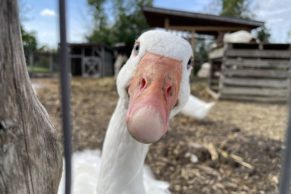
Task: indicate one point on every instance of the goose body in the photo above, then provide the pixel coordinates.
(153, 86)
(86, 166)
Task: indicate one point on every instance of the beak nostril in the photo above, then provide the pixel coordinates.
(169, 91)
(142, 83)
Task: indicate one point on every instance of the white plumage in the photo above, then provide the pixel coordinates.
(241, 36)
(197, 108)
(86, 168)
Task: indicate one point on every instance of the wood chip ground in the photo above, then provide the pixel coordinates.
(236, 150)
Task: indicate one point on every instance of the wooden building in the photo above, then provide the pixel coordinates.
(250, 71)
(91, 60)
(193, 23)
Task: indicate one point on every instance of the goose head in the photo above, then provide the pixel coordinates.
(154, 83)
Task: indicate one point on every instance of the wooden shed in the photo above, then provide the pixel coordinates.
(91, 60)
(193, 23)
(250, 71)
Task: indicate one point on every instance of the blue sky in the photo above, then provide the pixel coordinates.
(41, 16)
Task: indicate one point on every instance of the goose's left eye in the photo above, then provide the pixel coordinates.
(190, 63)
(136, 48)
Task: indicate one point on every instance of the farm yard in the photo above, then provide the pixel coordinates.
(236, 52)
(236, 150)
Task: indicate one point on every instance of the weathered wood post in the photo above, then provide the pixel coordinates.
(30, 161)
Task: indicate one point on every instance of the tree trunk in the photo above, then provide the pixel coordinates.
(30, 160)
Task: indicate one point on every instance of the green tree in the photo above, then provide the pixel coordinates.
(29, 43)
(128, 21)
(231, 8)
(101, 30)
(263, 34)
(29, 40)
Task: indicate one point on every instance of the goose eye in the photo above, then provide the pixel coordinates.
(136, 48)
(189, 64)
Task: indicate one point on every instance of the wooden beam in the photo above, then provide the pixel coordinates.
(251, 98)
(167, 23)
(253, 91)
(193, 39)
(258, 53)
(257, 63)
(205, 28)
(255, 73)
(249, 82)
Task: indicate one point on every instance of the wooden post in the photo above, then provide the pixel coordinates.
(167, 24)
(50, 56)
(193, 39)
(30, 161)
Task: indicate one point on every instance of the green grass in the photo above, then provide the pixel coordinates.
(38, 69)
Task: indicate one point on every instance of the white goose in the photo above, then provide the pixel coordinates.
(153, 86)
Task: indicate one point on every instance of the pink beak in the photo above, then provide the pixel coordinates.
(153, 92)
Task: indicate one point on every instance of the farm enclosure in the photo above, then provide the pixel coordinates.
(251, 131)
(250, 71)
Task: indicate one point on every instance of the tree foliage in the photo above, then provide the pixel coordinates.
(235, 8)
(128, 21)
(29, 41)
(263, 34)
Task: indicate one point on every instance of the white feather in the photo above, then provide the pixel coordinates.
(241, 36)
(197, 108)
(85, 169)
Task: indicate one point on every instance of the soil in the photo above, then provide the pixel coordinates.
(235, 150)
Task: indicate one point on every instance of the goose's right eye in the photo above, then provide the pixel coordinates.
(136, 49)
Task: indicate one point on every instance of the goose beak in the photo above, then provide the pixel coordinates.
(153, 92)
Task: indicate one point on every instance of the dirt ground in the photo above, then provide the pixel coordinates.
(236, 150)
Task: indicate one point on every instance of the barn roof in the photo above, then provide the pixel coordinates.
(200, 23)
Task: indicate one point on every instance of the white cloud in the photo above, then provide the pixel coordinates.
(48, 13)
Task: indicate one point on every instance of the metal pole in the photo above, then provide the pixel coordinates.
(65, 94)
(286, 163)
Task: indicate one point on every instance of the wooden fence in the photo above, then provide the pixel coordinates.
(252, 72)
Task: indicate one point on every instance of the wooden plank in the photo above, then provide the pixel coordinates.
(255, 82)
(207, 28)
(254, 98)
(257, 53)
(251, 46)
(272, 46)
(214, 81)
(213, 93)
(214, 87)
(253, 91)
(216, 53)
(255, 73)
(258, 63)
(262, 46)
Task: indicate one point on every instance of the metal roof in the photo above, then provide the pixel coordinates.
(205, 23)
